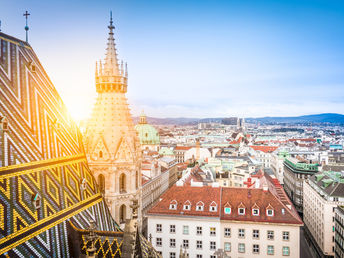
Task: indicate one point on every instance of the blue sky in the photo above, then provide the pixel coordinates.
(194, 58)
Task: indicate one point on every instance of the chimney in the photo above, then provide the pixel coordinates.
(265, 187)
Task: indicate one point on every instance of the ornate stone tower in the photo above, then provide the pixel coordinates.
(111, 142)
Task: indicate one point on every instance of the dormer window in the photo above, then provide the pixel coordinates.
(255, 212)
(213, 207)
(173, 205)
(36, 201)
(200, 206)
(241, 211)
(187, 206)
(269, 210)
(227, 208)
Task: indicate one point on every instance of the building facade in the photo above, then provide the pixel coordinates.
(295, 174)
(339, 232)
(323, 192)
(111, 141)
(203, 220)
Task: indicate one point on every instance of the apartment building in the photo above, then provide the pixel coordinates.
(339, 232)
(322, 193)
(242, 222)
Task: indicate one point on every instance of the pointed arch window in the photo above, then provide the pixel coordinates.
(101, 182)
(122, 213)
(122, 183)
(100, 154)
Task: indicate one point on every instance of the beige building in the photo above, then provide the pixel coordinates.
(111, 142)
(322, 193)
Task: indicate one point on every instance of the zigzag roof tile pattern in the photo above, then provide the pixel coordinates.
(44, 176)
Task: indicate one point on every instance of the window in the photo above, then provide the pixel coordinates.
(270, 212)
(241, 211)
(213, 206)
(199, 244)
(172, 242)
(227, 232)
(172, 228)
(199, 256)
(285, 251)
(187, 207)
(285, 235)
(185, 243)
(186, 230)
(213, 256)
(213, 231)
(158, 228)
(227, 246)
(255, 249)
(212, 245)
(255, 233)
(199, 230)
(173, 205)
(199, 206)
(271, 250)
(241, 248)
(241, 232)
(270, 235)
(255, 212)
(158, 241)
(172, 255)
(227, 210)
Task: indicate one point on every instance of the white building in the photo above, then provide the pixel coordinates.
(242, 222)
(322, 193)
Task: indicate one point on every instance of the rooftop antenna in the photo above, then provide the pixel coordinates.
(26, 14)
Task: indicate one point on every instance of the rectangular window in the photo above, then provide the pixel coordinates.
(270, 235)
(271, 250)
(255, 249)
(172, 242)
(227, 232)
(255, 212)
(186, 230)
(172, 228)
(172, 255)
(285, 251)
(158, 228)
(255, 233)
(213, 231)
(285, 235)
(241, 232)
(158, 241)
(241, 248)
(199, 256)
(227, 210)
(199, 231)
(186, 243)
(241, 211)
(227, 246)
(212, 245)
(199, 244)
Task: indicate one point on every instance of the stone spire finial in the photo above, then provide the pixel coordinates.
(111, 67)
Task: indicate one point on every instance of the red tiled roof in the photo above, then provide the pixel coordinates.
(181, 194)
(227, 196)
(259, 197)
(183, 147)
(263, 148)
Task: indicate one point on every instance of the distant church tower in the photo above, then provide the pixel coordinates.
(111, 142)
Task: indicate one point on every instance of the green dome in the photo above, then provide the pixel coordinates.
(148, 134)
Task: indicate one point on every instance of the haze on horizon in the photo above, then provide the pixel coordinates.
(195, 58)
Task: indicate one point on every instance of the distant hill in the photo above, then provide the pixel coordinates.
(331, 118)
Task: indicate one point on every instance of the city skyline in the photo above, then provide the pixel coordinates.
(194, 59)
